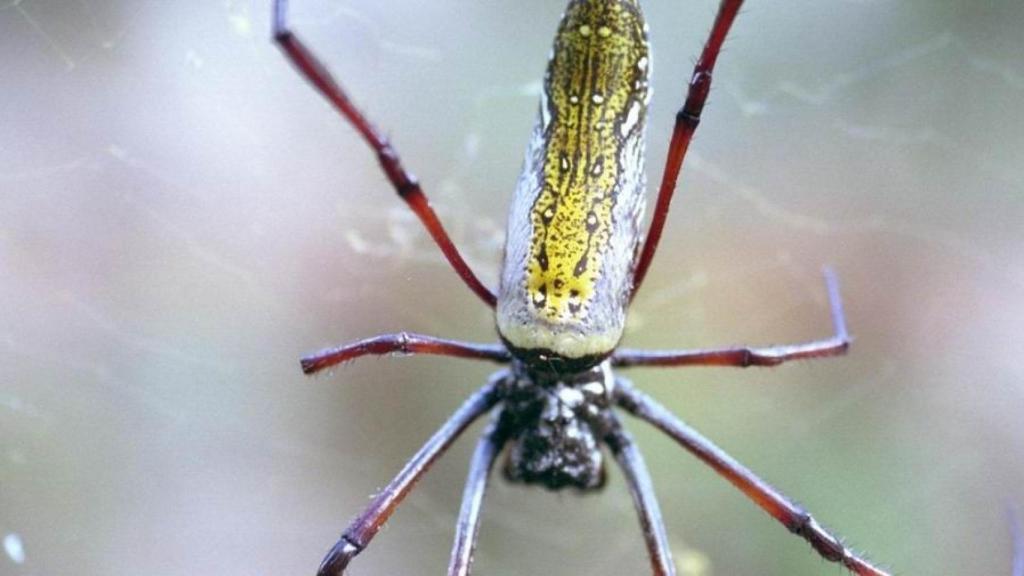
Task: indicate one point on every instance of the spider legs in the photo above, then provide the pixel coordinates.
(639, 481)
(743, 357)
(359, 533)
(687, 120)
(403, 343)
(796, 519)
(405, 184)
(468, 527)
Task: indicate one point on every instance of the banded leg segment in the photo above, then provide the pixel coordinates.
(640, 487)
(794, 518)
(687, 120)
(404, 343)
(359, 533)
(743, 357)
(405, 184)
(468, 527)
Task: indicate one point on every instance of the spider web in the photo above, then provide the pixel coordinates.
(181, 218)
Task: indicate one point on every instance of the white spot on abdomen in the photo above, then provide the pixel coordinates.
(632, 117)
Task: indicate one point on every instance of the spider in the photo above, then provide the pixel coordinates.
(573, 263)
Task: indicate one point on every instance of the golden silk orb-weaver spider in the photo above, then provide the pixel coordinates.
(573, 262)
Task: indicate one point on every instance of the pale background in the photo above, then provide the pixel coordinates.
(181, 218)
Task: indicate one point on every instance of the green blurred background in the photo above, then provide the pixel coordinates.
(181, 218)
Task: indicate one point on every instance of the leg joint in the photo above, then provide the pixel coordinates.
(279, 28)
(686, 118)
(696, 97)
(340, 555)
(406, 187)
(350, 545)
(825, 544)
(404, 182)
(402, 340)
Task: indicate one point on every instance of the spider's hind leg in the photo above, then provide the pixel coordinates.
(639, 481)
(794, 518)
(365, 526)
(468, 527)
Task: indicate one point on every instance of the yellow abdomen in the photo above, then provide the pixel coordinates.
(573, 227)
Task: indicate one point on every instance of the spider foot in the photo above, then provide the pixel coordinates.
(338, 558)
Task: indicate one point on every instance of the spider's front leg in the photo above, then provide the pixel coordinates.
(404, 183)
(687, 120)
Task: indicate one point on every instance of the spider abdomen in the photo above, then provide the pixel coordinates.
(575, 219)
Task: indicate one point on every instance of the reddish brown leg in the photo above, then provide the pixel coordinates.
(796, 519)
(687, 120)
(402, 180)
(407, 344)
(639, 481)
(468, 526)
(743, 357)
(359, 533)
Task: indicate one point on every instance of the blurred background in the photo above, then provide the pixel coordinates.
(182, 217)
